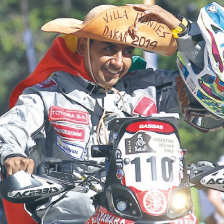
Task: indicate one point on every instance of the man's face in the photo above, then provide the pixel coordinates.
(109, 61)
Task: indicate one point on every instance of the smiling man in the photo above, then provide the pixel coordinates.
(109, 61)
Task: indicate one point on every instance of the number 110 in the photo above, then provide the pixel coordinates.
(166, 167)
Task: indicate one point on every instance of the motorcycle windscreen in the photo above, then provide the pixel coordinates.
(149, 162)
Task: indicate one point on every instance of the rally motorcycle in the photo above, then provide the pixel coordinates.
(147, 179)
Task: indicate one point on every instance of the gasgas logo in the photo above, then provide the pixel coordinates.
(153, 126)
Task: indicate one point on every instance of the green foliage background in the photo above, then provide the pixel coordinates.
(16, 16)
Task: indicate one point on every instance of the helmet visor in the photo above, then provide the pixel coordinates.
(203, 120)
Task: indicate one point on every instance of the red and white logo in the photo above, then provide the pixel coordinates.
(106, 217)
(155, 202)
(47, 83)
(145, 106)
(74, 116)
(69, 133)
(187, 219)
(156, 126)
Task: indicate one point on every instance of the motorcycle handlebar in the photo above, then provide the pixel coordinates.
(205, 174)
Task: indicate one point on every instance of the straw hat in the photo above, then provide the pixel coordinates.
(119, 24)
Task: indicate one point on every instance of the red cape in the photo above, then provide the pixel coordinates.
(61, 56)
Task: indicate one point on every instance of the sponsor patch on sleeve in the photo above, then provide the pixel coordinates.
(145, 106)
(45, 84)
(74, 116)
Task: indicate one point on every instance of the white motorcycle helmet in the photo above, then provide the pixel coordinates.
(207, 84)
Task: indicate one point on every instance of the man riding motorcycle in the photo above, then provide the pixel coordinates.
(84, 81)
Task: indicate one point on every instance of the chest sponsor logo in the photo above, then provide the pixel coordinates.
(62, 114)
(72, 150)
(69, 133)
(145, 106)
(47, 83)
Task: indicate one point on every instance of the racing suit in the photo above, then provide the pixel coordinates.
(58, 118)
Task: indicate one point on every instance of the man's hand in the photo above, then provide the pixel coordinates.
(166, 17)
(15, 164)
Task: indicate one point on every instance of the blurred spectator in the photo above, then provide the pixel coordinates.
(217, 199)
(203, 208)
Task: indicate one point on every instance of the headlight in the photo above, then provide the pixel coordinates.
(121, 206)
(180, 202)
(122, 202)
